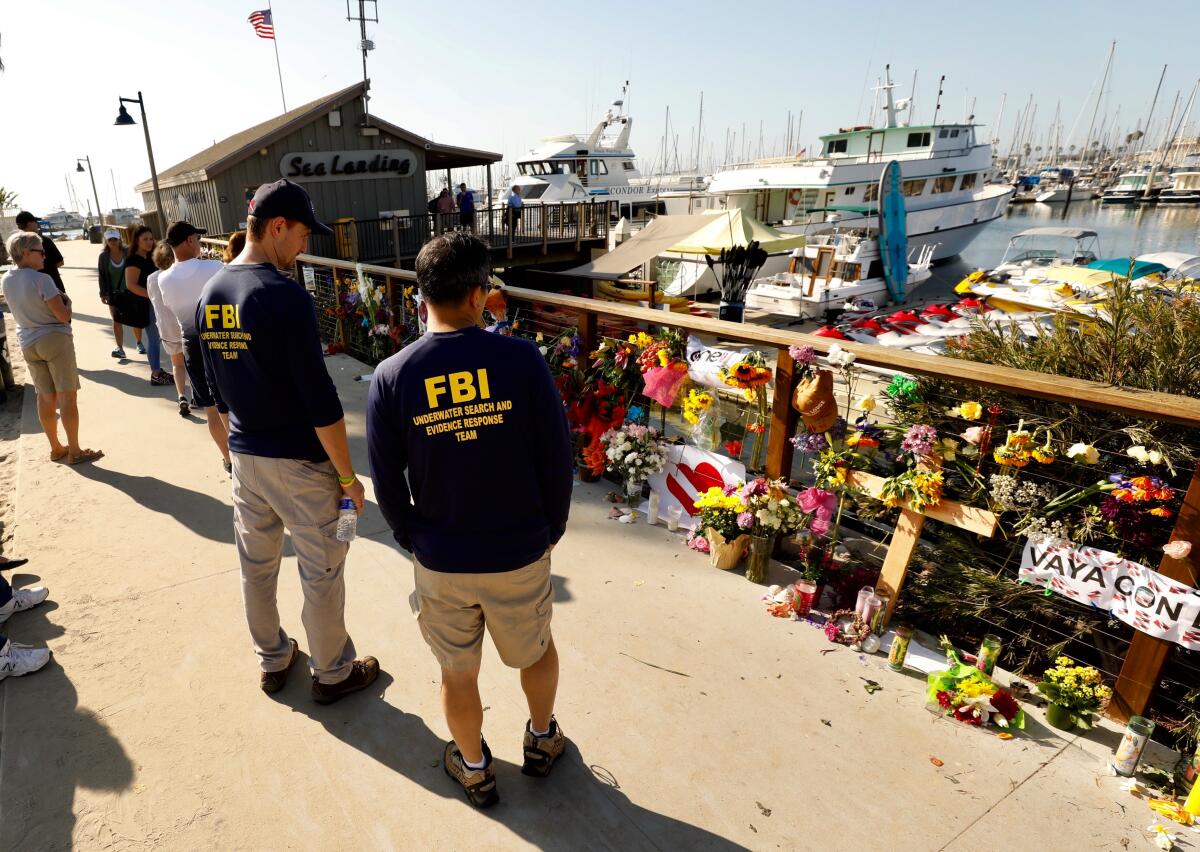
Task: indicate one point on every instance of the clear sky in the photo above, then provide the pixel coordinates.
(499, 76)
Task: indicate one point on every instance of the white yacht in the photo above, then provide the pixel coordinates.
(1133, 187)
(1057, 185)
(945, 169)
(1184, 189)
(602, 167)
(831, 270)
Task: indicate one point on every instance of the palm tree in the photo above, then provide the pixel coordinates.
(7, 199)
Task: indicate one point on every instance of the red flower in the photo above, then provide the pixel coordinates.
(756, 428)
(1005, 704)
(965, 714)
(734, 448)
(943, 698)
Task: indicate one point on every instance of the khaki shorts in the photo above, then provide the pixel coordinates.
(171, 347)
(51, 362)
(515, 606)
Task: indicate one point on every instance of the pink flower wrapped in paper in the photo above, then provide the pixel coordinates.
(663, 384)
(820, 504)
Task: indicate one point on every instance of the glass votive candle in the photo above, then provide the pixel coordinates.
(652, 508)
(674, 513)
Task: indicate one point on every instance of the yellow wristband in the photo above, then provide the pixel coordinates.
(347, 480)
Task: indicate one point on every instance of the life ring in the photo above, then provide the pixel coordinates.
(795, 196)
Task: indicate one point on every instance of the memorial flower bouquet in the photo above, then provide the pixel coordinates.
(634, 452)
(1079, 691)
(751, 375)
(970, 696)
(769, 508)
(662, 363)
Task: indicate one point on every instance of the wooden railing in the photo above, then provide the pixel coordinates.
(1146, 655)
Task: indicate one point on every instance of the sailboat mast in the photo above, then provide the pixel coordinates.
(1150, 115)
(1087, 140)
(700, 132)
(999, 119)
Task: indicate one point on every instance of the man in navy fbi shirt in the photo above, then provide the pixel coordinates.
(287, 441)
(471, 459)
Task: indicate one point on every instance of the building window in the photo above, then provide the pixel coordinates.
(913, 187)
(968, 181)
(942, 134)
(836, 146)
(918, 140)
(871, 193)
(944, 184)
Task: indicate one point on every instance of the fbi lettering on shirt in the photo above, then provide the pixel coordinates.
(222, 331)
(460, 404)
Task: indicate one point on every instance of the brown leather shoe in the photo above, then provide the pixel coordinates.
(478, 784)
(541, 752)
(362, 674)
(272, 682)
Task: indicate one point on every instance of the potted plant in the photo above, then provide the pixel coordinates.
(1074, 692)
(719, 512)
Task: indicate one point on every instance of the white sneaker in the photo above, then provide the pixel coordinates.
(17, 660)
(23, 599)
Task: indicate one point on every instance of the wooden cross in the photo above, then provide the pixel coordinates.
(908, 532)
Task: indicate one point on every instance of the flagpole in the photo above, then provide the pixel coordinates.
(278, 68)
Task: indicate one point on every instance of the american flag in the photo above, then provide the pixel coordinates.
(261, 21)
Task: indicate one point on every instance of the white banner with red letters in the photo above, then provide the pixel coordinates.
(1142, 598)
(689, 472)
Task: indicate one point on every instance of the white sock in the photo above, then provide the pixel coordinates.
(544, 733)
(480, 765)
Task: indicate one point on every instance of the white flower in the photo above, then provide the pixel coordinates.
(867, 403)
(1085, 453)
(949, 448)
(632, 459)
(1140, 453)
(839, 357)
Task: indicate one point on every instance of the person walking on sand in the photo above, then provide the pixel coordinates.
(456, 402)
(169, 334)
(138, 266)
(110, 268)
(287, 439)
(181, 286)
(43, 316)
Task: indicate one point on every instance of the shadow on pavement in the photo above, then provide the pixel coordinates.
(51, 747)
(201, 513)
(577, 807)
(132, 385)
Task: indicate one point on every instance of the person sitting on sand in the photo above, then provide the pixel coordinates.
(43, 316)
(17, 660)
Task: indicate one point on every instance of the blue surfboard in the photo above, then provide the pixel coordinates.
(893, 232)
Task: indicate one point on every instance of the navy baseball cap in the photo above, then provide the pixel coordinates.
(289, 200)
(179, 232)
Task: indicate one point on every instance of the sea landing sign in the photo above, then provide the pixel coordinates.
(316, 166)
(1143, 599)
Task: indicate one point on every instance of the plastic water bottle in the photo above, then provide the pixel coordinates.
(347, 524)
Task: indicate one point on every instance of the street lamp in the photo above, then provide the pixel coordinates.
(124, 119)
(79, 168)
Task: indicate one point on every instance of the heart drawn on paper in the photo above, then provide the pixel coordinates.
(704, 477)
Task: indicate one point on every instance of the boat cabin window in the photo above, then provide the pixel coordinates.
(913, 187)
(968, 181)
(943, 133)
(597, 167)
(871, 193)
(836, 146)
(944, 183)
(535, 190)
(849, 191)
(627, 166)
(954, 133)
(918, 140)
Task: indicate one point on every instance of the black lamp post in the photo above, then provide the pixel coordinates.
(124, 119)
(79, 168)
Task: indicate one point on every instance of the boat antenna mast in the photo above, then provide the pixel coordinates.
(937, 107)
(365, 45)
(889, 103)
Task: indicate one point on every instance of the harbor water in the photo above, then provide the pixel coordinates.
(1123, 232)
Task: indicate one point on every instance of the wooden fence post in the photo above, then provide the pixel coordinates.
(543, 211)
(784, 417)
(1147, 654)
(579, 223)
(587, 333)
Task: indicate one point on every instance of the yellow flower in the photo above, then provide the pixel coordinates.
(867, 403)
(970, 410)
(663, 358)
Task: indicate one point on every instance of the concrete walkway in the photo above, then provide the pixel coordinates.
(697, 721)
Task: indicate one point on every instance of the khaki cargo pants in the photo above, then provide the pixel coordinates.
(271, 494)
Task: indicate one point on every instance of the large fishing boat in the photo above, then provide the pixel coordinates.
(945, 167)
